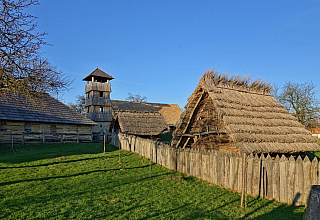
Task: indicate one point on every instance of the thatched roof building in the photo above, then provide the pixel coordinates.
(170, 112)
(139, 123)
(234, 114)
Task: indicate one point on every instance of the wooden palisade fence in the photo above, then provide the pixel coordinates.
(281, 179)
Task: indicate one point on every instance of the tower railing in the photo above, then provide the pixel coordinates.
(98, 86)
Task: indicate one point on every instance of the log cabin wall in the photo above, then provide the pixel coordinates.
(17, 128)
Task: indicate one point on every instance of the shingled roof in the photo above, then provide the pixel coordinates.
(99, 75)
(46, 109)
(140, 123)
(170, 112)
(235, 114)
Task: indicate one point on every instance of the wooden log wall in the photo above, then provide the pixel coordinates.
(286, 180)
(8, 137)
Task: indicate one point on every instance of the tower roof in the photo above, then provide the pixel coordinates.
(99, 75)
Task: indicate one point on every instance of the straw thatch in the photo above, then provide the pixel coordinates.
(239, 115)
(170, 112)
(139, 123)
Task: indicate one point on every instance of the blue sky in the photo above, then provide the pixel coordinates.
(161, 48)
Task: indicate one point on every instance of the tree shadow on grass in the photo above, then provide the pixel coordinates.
(29, 200)
(74, 175)
(60, 160)
(34, 152)
(283, 211)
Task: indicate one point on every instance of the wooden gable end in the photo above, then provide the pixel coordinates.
(200, 126)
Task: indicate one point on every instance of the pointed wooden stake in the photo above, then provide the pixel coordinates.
(243, 178)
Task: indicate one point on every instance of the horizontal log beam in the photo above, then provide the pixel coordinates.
(202, 133)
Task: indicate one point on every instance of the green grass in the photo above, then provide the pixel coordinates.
(77, 181)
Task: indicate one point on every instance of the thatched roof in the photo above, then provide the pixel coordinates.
(98, 75)
(140, 123)
(45, 109)
(170, 112)
(246, 114)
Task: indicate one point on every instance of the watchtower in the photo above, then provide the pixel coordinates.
(98, 103)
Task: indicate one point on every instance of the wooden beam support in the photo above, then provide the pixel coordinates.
(191, 113)
(244, 176)
(185, 144)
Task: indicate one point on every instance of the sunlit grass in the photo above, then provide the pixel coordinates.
(77, 181)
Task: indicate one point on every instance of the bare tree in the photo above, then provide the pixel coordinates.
(136, 98)
(79, 106)
(300, 100)
(22, 68)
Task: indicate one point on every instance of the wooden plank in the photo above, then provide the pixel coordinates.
(227, 170)
(283, 164)
(291, 179)
(180, 160)
(314, 171)
(239, 177)
(269, 177)
(187, 161)
(249, 174)
(192, 162)
(198, 163)
(276, 179)
(299, 183)
(231, 171)
(204, 170)
(215, 167)
(243, 177)
(307, 179)
(262, 185)
(210, 166)
(184, 168)
(221, 162)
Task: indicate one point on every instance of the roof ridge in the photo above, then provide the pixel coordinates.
(212, 80)
(99, 73)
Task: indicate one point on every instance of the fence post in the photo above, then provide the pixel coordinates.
(307, 179)
(291, 174)
(104, 143)
(298, 186)
(269, 177)
(61, 138)
(249, 173)
(22, 141)
(11, 141)
(283, 179)
(151, 155)
(276, 179)
(243, 178)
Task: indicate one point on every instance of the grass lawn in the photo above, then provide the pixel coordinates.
(77, 181)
